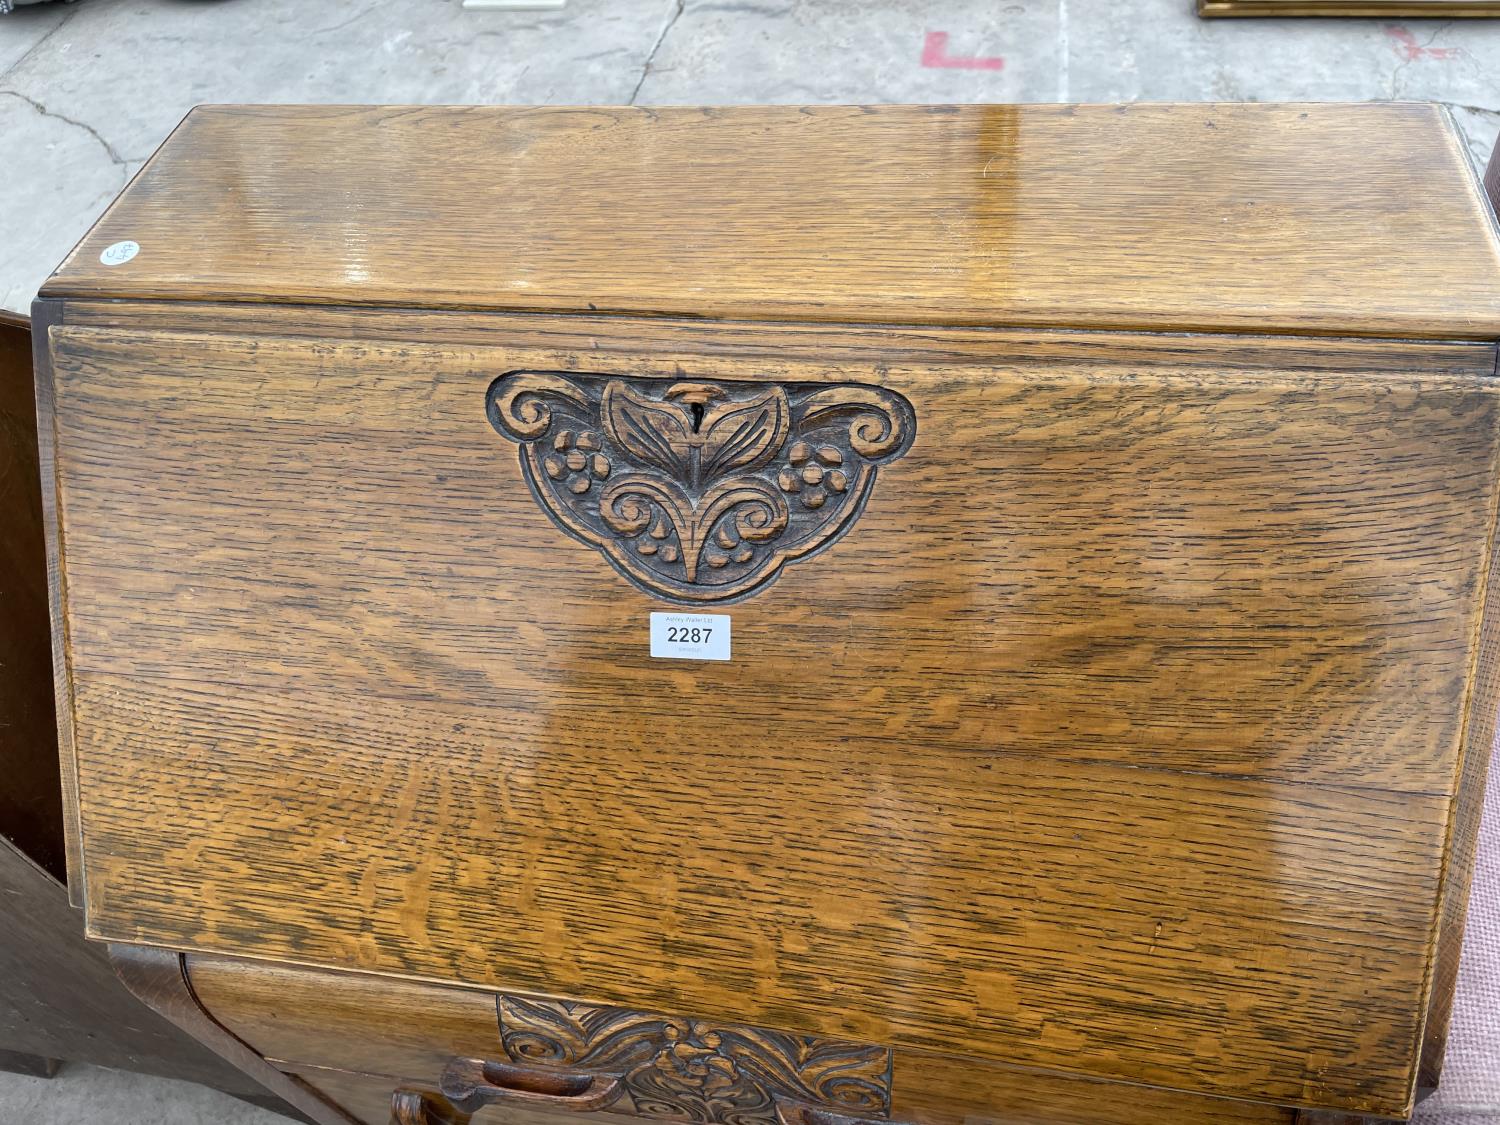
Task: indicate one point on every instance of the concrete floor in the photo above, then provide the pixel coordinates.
(90, 1095)
(88, 90)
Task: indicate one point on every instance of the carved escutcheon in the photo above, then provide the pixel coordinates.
(679, 1068)
(699, 492)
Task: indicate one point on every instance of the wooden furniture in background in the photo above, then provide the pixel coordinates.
(31, 810)
(1381, 9)
(1102, 499)
(59, 999)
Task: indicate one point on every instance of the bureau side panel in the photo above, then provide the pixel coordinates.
(1469, 806)
(31, 815)
(1463, 832)
(46, 314)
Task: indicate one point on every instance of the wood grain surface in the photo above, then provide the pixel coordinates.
(1120, 736)
(347, 1021)
(1260, 218)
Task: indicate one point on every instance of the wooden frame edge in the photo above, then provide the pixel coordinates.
(1479, 728)
(159, 979)
(1463, 835)
(47, 313)
(33, 1066)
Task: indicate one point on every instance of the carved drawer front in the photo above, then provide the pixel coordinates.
(676, 1067)
(1017, 1098)
(544, 1053)
(363, 1039)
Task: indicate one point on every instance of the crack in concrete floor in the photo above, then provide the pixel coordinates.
(679, 6)
(109, 149)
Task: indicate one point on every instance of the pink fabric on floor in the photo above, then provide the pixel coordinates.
(1469, 1090)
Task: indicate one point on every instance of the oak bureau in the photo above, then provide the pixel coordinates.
(1069, 530)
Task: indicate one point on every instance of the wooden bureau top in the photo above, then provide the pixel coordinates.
(1322, 219)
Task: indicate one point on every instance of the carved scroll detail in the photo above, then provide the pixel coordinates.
(682, 1069)
(699, 492)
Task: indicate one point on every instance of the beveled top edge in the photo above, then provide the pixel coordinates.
(1269, 218)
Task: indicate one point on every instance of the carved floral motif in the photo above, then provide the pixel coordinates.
(681, 1069)
(699, 492)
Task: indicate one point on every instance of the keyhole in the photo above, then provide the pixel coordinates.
(697, 417)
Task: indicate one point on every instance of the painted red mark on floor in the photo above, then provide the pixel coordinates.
(1407, 47)
(935, 53)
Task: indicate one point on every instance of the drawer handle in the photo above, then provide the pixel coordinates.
(471, 1084)
(412, 1107)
